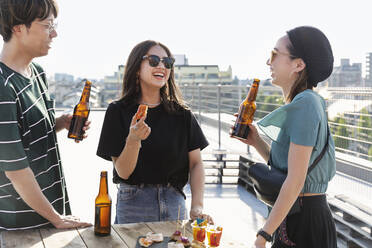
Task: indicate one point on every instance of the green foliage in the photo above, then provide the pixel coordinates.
(265, 104)
(364, 121)
(340, 130)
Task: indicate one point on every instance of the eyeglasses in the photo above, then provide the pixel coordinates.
(274, 53)
(51, 26)
(154, 61)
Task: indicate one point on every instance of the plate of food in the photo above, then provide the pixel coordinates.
(156, 240)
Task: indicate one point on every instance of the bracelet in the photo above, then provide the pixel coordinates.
(265, 235)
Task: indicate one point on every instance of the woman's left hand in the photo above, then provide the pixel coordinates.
(198, 213)
(260, 242)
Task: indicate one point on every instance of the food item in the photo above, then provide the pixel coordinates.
(145, 242)
(155, 237)
(176, 236)
(175, 245)
(201, 222)
(197, 244)
(185, 241)
(142, 111)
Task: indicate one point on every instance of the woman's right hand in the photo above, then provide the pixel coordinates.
(69, 221)
(251, 139)
(138, 130)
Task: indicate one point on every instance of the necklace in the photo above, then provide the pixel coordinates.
(151, 104)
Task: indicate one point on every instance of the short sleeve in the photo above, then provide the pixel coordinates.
(303, 121)
(12, 153)
(113, 134)
(196, 137)
(296, 122)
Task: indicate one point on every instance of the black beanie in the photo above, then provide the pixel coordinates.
(311, 45)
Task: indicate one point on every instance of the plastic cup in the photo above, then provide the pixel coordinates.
(198, 232)
(214, 236)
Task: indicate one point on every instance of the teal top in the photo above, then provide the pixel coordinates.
(302, 122)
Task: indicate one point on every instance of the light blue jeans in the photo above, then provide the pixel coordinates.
(148, 203)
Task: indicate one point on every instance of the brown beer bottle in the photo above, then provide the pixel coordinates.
(81, 113)
(102, 219)
(246, 112)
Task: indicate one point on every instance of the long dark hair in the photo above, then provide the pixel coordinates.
(170, 94)
(301, 82)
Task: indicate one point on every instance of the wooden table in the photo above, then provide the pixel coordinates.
(124, 236)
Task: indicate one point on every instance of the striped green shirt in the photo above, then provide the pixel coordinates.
(28, 139)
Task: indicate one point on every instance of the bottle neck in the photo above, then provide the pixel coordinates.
(251, 97)
(103, 187)
(86, 93)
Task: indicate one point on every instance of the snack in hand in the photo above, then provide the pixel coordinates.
(141, 111)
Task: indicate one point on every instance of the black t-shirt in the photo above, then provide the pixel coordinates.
(163, 157)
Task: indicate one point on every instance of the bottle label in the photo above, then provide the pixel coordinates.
(76, 127)
(102, 220)
(246, 115)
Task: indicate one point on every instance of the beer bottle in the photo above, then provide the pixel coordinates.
(246, 112)
(81, 113)
(102, 219)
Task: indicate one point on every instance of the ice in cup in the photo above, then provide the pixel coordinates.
(214, 236)
(198, 231)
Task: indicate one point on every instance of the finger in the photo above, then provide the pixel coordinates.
(236, 114)
(134, 120)
(87, 123)
(77, 141)
(142, 120)
(148, 132)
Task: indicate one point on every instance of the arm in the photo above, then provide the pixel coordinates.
(196, 182)
(29, 190)
(127, 160)
(197, 186)
(298, 160)
(255, 140)
(63, 122)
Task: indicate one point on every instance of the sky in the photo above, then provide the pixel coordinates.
(95, 36)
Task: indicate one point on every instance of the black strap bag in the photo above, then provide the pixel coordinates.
(267, 180)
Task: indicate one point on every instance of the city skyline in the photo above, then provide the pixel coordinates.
(94, 38)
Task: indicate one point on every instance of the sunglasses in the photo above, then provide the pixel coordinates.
(274, 53)
(154, 61)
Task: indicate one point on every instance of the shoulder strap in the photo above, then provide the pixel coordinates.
(320, 156)
(316, 161)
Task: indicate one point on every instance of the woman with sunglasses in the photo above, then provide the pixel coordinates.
(154, 156)
(299, 130)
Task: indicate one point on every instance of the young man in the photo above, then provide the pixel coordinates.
(32, 186)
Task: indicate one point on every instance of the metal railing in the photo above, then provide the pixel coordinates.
(349, 110)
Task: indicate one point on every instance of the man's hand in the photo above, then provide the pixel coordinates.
(69, 221)
(64, 121)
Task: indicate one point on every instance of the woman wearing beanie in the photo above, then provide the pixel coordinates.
(299, 132)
